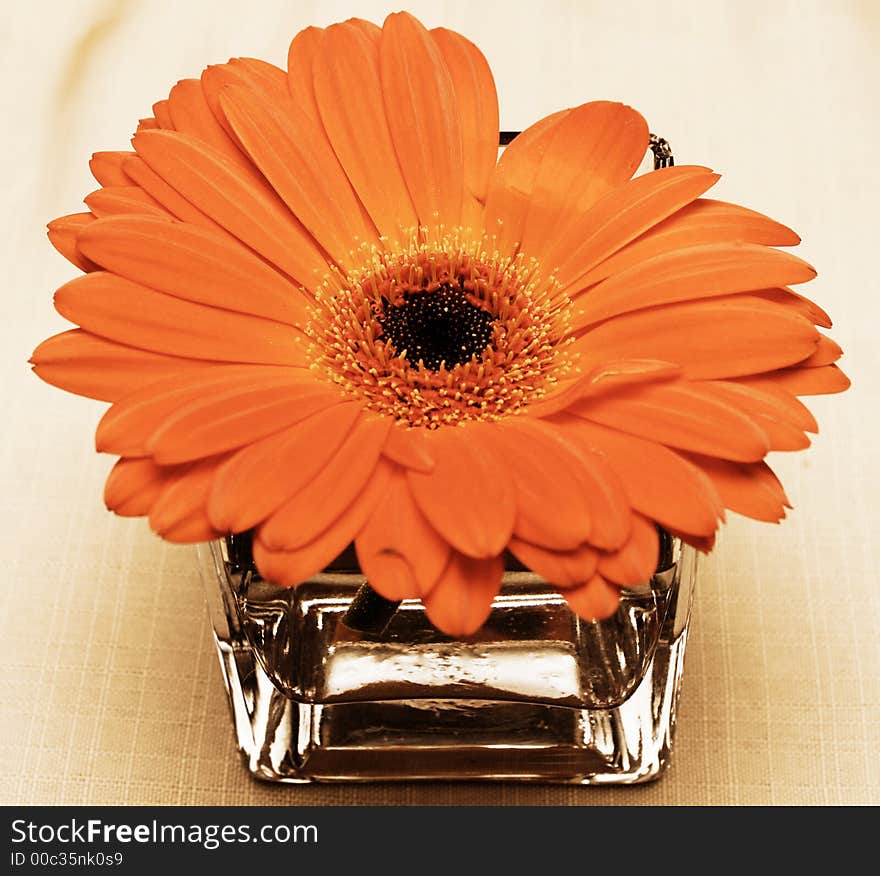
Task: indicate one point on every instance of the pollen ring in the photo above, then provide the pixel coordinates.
(441, 332)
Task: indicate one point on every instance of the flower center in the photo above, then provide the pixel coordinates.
(441, 332)
(443, 327)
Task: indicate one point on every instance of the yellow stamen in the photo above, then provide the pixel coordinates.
(524, 334)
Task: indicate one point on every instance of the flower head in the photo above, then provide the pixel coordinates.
(323, 310)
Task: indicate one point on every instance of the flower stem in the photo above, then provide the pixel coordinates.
(369, 613)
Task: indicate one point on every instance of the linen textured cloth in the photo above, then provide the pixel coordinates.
(111, 692)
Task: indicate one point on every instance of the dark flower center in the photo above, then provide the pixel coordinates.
(442, 326)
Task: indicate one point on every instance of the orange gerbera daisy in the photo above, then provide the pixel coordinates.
(323, 312)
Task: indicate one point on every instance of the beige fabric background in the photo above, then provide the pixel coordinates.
(111, 692)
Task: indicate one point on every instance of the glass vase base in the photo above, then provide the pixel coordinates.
(538, 695)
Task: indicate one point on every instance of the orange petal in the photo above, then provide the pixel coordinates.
(779, 414)
(686, 274)
(827, 352)
(680, 414)
(162, 115)
(235, 201)
(262, 76)
(700, 223)
(128, 424)
(461, 600)
(801, 381)
(469, 496)
(621, 216)
(315, 507)
(513, 182)
(659, 483)
(423, 119)
(768, 400)
(398, 550)
(794, 300)
(293, 154)
(703, 543)
(373, 31)
(291, 567)
(708, 339)
(560, 568)
(129, 313)
(747, 488)
(96, 368)
(106, 168)
(409, 448)
(636, 562)
(194, 264)
(301, 57)
(150, 181)
(233, 418)
(123, 200)
(192, 115)
(596, 148)
(782, 297)
(63, 235)
(553, 507)
(562, 498)
(611, 510)
(178, 515)
(477, 104)
(256, 481)
(249, 72)
(358, 129)
(595, 601)
(605, 378)
(133, 486)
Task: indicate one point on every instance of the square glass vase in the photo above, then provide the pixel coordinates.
(536, 695)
